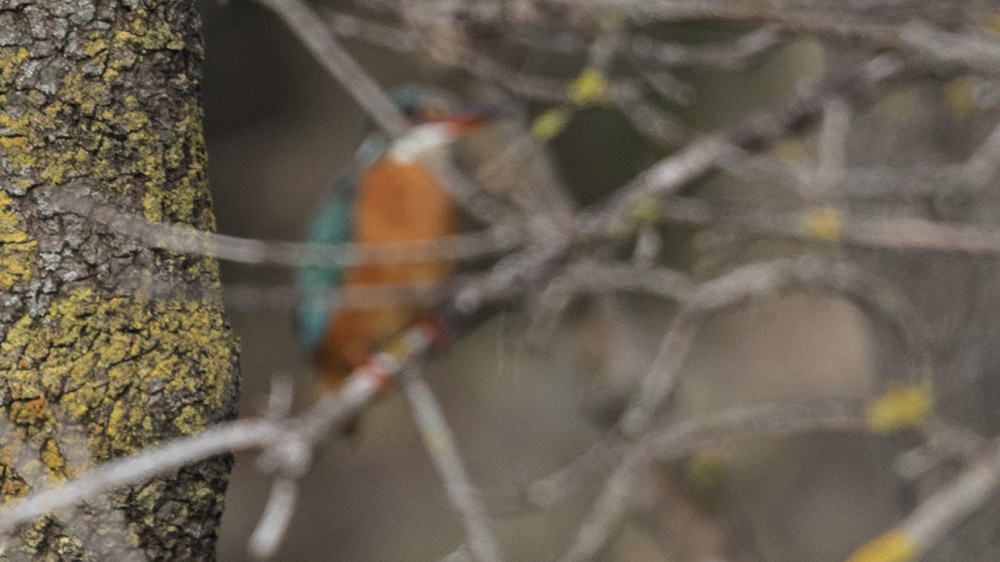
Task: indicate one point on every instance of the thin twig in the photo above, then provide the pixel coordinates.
(356, 297)
(649, 120)
(942, 441)
(832, 151)
(761, 279)
(736, 426)
(188, 240)
(278, 512)
(666, 84)
(588, 276)
(940, 513)
(554, 488)
(676, 171)
(387, 36)
(881, 28)
(853, 230)
(981, 167)
(441, 445)
(663, 374)
(316, 36)
(733, 56)
(137, 468)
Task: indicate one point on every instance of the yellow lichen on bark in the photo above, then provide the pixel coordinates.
(135, 346)
(119, 143)
(178, 203)
(17, 253)
(11, 60)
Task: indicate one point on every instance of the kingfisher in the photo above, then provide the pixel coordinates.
(385, 195)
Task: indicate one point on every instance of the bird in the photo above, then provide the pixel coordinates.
(386, 195)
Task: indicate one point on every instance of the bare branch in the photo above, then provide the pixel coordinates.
(356, 297)
(978, 54)
(832, 152)
(315, 35)
(736, 426)
(730, 57)
(663, 374)
(290, 254)
(762, 279)
(277, 515)
(864, 231)
(981, 167)
(945, 509)
(942, 441)
(441, 445)
(387, 36)
(138, 468)
(677, 171)
(552, 489)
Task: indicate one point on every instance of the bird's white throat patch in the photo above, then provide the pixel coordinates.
(421, 140)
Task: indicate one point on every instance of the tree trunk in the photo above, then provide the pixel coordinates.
(100, 98)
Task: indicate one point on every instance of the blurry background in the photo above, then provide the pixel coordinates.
(278, 129)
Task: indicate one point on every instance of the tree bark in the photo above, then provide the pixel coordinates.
(100, 98)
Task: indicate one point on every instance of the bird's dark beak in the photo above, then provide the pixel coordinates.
(470, 118)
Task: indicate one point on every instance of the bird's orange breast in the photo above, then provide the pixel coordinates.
(396, 202)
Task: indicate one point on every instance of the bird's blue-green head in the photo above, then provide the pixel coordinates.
(422, 105)
(419, 103)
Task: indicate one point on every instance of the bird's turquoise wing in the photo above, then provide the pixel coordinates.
(333, 224)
